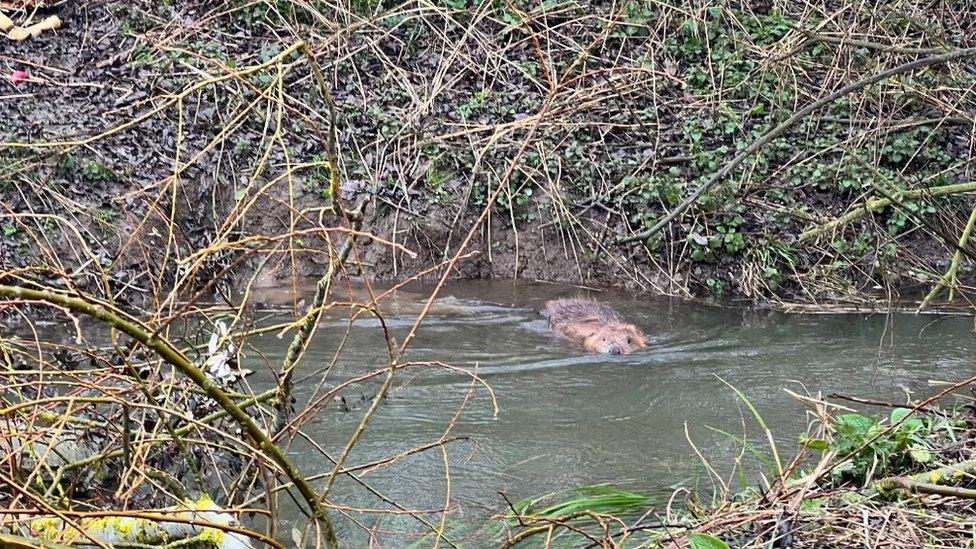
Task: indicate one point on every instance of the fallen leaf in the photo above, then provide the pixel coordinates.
(17, 77)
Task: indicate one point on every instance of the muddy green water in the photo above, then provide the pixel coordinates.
(567, 419)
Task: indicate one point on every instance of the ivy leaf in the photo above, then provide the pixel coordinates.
(705, 541)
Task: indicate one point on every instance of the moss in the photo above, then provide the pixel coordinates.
(48, 529)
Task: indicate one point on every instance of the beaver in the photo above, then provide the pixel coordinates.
(593, 325)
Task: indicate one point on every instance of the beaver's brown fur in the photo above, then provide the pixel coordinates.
(593, 326)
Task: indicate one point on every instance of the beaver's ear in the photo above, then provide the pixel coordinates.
(637, 335)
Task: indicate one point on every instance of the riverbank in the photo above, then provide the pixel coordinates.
(902, 477)
(150, 126)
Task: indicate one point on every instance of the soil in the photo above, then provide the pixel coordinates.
(109, 199)
(85, 79)
(535, 252)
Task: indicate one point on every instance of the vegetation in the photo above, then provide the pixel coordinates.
(604, 135)
(160, 161)
(853, 473)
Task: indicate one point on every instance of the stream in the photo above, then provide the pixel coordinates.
(566, 419)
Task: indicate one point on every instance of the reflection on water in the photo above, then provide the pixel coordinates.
(567, 419)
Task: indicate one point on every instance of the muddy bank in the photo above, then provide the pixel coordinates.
(535, 252)
(150, 131)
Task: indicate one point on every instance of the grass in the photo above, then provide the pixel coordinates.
(598, 499)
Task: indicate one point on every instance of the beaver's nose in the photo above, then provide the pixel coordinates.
(614, 350)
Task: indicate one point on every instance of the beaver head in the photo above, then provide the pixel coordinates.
(612, 338)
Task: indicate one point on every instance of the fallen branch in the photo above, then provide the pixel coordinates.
(949, 278)
(950, 474)
(789, 123)
(910, 486)
(879, 203)
(18, 542)
(199, 522)
(814, 38)
(941, 481)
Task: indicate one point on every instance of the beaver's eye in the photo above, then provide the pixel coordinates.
(629, 340)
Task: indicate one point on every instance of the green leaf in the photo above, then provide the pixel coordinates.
(815, 443)
(898, 413)
(920, 455)
(811, 504)
(855, 423)
(910, 424)
(705, 541)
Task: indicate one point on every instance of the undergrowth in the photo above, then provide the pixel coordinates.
(852, 470)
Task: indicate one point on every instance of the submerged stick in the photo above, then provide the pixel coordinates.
(307, 325)
(787, 124)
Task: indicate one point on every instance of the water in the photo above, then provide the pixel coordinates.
(565, 419)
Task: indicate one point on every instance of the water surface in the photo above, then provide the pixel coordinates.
(566, 419)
